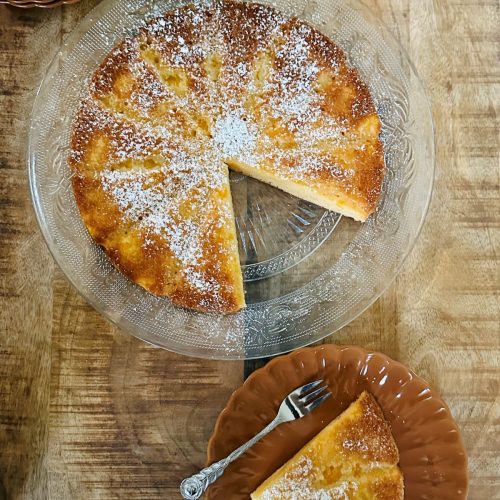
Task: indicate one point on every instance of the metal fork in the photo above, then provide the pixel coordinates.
(297, 404)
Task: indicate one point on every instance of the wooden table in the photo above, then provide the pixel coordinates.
(86, 411)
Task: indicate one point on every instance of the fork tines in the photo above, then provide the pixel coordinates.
(310, 398)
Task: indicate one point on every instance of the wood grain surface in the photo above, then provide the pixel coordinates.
(89, 412)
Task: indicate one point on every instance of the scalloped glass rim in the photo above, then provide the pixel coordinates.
(312, 311)
(294, 255)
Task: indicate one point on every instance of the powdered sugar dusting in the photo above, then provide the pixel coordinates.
(297, 484)
(153, 200)
(235, 137)
(351, 445)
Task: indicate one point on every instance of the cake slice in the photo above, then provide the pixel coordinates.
(164, 219)
(354, 458)
(316, 129)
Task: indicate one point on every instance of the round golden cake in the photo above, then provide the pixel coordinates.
(207, 87)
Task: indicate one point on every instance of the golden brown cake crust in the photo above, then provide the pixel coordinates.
(370, 439)
(199, 89)
(354, 457)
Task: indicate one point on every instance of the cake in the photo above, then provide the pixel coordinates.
(206, 87)
(353, 458)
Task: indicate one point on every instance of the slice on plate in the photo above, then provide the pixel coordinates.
(354, 457)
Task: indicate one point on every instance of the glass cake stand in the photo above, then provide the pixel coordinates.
(308, 272)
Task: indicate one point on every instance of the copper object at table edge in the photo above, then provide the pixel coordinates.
(432, 455)
(28, 4)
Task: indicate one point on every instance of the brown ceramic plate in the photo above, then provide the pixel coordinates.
(432, 455)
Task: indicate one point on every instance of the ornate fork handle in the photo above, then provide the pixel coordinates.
(193, 487)
(299, 403)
